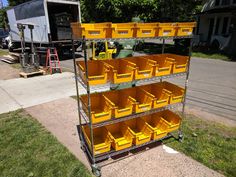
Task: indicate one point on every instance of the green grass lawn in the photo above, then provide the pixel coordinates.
(28, 149)
(3, 52)
(211, 56)
(212, 144)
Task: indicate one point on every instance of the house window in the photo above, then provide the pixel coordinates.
(217, 2)
(225, 25)
(225, 2)
(217, 26)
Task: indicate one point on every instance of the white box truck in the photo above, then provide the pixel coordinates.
(51, 18)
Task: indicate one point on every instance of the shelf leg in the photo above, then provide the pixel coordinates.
(76, 83)
(89, 101)
(96, 170)
(163, 46)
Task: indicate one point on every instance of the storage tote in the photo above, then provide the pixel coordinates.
(120, 71)
(143, 67)
(120, 135)
(123, 30)
(185, 29)
(101, 138)
(160, 95)
(144, 30)
(140, 131)
(91, 30)
(141, 100)
(158, 125)
(162, 66)
(179, 62)
(120, 104)
(100, 107)
(97, 72)
(172, 119)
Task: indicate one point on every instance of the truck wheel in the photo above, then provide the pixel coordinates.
(10, 49)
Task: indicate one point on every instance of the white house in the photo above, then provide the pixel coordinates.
(217, 24)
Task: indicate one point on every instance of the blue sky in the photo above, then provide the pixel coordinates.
(4, 2)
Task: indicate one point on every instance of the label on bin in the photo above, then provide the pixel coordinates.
(94, 32)
(146, 31)
(122, 32)
(144, 109)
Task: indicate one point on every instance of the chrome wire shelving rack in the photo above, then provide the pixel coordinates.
(95, 160)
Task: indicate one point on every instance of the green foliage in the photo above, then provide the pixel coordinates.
(16, 2)
(3, 18)
(147, 10)
(209, 143)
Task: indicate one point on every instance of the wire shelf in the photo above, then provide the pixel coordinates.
(132, 116)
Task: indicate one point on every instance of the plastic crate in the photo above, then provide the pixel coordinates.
(123, 30)
(97, 72)
(172, 119)
(120, 71)
(162, 65)
(143, 67)
(101, 138)
(160, 95)
(91, 30)
(121, 105)
(100, 107)
(179, 62)
(158, 125)
(176, 92)
(141, 100)
(140, 131)
(120, 135)
(146, 29)
(167, 29)
(185, 29)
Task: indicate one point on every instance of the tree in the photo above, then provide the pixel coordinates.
(148, 10)
(16, 2)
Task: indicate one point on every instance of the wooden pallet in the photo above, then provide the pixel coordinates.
(26, 75)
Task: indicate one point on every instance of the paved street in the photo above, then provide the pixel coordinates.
(212, 89)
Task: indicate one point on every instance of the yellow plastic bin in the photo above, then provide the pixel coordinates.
(91, 30)
(101, 138)
(167, 29)
(177, 93)
(121, 105)
(160, 95)
(162, 65)
(185, 29)
(179, 62)
(140, 131)
(158, 125)
(147, 29)
(97, 72)
(143, 67)
(141, 100)
(123, 30)
(120, 71)
(100, 107)
(120, 135)
(172, 119)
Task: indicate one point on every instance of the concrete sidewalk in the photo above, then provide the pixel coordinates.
(22, 93)
(159, 161)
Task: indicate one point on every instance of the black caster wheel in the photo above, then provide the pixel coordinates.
(181, 137)
(96, 171)
(82, 148)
